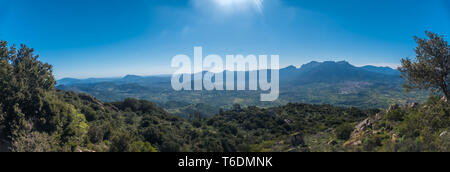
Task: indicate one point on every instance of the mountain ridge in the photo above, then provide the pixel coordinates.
(334, 83)
(291, 68)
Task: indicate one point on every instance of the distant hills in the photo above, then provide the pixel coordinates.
(336, 72)
(336, 83)
(126, 79)
(328, 71)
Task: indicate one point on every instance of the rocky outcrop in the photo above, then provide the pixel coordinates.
(378, 116)
(361, 129)
(393, 107)
(78, 149)
(288, 121)
(413, 105)
(332, 142)
(394, 138)
(357, 143)
(444, 99)
(367, 123)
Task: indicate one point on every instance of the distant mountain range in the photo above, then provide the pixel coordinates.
(335, 72)
(328, 71)
(336, 83)
(126, 79)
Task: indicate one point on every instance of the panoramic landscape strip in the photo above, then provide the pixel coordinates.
(224, 83)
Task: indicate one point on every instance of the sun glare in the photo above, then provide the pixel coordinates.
(240, 4)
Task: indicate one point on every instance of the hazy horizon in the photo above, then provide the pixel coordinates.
(97, 39)
(168, 74)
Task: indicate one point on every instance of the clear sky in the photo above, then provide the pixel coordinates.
(108, 38)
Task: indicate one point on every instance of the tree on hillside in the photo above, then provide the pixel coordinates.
(30, 111)
(24, 80)
(431, 68)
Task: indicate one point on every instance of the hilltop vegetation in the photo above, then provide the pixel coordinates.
(141, 126)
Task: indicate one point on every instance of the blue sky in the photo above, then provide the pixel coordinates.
(108, 38)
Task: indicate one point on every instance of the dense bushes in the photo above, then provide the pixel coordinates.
(421, 128)
(344, 131)
(412, 129)
(395, 115)
(34, 118)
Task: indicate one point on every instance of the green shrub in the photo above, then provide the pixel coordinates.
(344, 131)
(395, 115)
(371, 143)
(141, 146)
